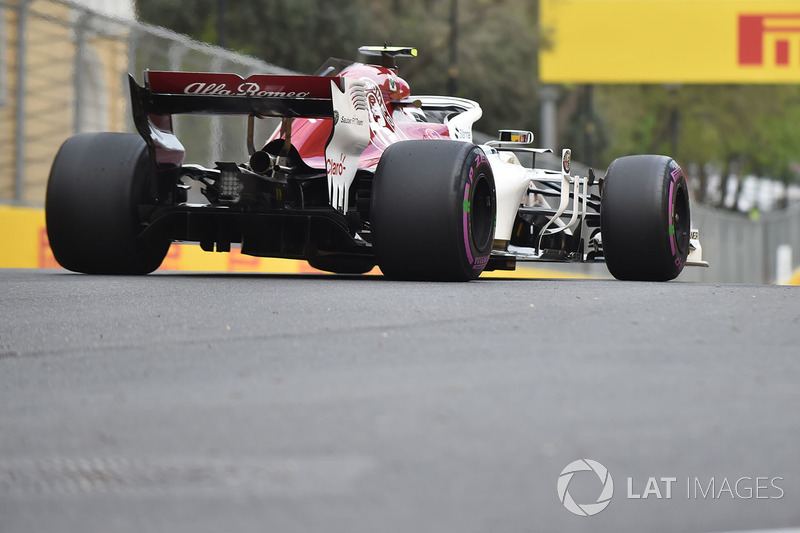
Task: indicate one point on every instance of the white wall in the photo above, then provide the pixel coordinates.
(123, 9)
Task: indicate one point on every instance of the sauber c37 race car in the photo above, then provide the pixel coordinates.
(360, 173)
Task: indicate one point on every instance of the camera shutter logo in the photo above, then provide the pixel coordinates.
(585, 509)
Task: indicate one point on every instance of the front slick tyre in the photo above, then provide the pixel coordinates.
(433, 211)
(92, 206)
(644, 218)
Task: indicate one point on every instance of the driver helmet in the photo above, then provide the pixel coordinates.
(392, 86)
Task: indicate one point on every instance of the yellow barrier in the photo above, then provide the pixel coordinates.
(24, 244)
(23, 239)
(670, 41)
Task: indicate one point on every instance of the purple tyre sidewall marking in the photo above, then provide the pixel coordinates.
(475, 262)
(676, 175)
(467, 246)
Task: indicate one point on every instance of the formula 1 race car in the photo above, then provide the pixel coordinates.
(360, 173)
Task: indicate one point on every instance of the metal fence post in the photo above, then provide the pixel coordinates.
(3, 55)
(19, 97)
(175, 54)
(215, 122)
(130, 68)
(548, 136)
(81, 27)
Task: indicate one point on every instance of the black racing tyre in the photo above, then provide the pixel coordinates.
(433, 211)
(92, 206)
(645, 221)
(341, 264)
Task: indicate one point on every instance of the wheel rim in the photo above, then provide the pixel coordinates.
(680, 220)
(482, 213)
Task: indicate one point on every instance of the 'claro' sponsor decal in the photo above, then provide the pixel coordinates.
(337, 168)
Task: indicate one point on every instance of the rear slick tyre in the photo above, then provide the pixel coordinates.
(645, 220)
(95, 188)
(433, 211)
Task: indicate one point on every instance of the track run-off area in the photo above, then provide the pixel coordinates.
(298, 402)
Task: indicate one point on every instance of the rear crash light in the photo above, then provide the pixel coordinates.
(229, 186)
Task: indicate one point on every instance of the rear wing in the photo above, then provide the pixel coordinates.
(341, 98)
(261, 95)
(168, 93)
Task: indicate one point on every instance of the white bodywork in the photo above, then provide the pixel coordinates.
(512, 179)
(351, 134)
(511, 184)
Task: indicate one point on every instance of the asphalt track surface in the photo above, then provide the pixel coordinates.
(194, 402)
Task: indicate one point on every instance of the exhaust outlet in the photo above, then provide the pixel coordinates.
(261, 162)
